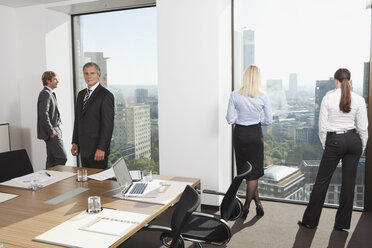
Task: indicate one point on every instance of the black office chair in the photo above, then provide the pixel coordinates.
(187, 204)
(213, 229)
(14, 164)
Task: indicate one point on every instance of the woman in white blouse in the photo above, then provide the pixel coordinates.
(343, 133)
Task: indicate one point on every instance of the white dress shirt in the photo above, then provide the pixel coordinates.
(332, 119)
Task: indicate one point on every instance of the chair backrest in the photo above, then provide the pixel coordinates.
(14, 164)
(185, 207)
(230, 206)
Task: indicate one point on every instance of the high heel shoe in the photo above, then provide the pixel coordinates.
(245, 213)
(259, 210)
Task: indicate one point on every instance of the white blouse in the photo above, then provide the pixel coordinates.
(332, 119)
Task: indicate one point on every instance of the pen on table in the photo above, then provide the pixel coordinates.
(46, 173)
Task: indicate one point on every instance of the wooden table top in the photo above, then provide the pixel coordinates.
(27, 216)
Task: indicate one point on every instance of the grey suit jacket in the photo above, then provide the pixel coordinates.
(47, 114)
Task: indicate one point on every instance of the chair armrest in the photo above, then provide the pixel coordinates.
(157, 228)
(212, 192)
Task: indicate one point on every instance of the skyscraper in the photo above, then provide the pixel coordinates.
(321, 89)
(366, 81)
(141, 95)
(292, 92)
(97, 57)
(138, 129)
(248, 41)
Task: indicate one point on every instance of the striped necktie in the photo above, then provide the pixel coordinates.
(86, 97)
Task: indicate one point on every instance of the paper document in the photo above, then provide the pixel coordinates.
(5, 196)
(93, 230)
(110, 226)
(43, 178)
(103, 175)
(109, 173)
(39, 176)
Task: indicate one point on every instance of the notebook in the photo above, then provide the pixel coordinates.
(130, 188)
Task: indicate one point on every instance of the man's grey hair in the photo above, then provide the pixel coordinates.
(89, 64)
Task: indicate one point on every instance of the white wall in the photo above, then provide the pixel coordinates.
(39, 40)
(194, 80)
(9, 86)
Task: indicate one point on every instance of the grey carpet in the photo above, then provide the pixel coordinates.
(278, 228)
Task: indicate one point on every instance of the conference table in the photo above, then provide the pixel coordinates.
(27, 216)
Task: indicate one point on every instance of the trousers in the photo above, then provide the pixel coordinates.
(347, 148)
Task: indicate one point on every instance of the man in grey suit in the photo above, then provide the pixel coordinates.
(48, 121)
(94, 120)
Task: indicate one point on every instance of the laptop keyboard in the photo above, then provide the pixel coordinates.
(138, 188)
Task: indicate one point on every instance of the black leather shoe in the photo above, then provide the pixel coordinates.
(245, 213)
(259, 210)
(305, 225)
(339, 229)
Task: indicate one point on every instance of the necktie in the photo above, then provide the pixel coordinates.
(86, 97)
(54, 94)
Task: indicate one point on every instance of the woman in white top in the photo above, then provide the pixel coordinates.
(245, 107)
(343, 133)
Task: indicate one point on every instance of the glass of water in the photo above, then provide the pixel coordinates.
(146, 176)
(94, 204)
(82, 175)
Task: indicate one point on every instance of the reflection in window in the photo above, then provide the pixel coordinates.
(123, 44)
(298, 55)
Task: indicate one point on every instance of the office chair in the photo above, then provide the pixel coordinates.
(213, 229)
(187, 204)
(14, 164)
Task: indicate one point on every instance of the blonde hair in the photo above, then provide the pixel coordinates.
(251, 82)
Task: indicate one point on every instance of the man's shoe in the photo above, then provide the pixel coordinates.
(305, 225)
(340, 229)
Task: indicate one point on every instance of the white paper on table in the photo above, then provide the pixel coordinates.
(72, 233)
(26, 180)
(109, 173)
(103, 175)
(5, 196)
(110, 226)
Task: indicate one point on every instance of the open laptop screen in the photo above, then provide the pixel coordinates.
(122, 174)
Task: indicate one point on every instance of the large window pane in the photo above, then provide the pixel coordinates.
(123, 44)
(299, 45)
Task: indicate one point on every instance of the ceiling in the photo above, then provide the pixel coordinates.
(23, 3)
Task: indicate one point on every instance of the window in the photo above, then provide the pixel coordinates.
(299, 45)
(123, 44)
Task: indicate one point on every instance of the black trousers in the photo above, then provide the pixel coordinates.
(348, 148)
(56, 154)
(91, 163)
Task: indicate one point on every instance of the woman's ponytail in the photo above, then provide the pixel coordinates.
(343, 76)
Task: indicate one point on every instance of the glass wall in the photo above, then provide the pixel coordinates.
(299, 45)
(123, 44)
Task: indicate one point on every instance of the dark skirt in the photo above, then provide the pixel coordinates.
(249, 146)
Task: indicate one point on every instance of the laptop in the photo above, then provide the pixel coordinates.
(130, 188)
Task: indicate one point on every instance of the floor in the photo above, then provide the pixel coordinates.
(278, 228)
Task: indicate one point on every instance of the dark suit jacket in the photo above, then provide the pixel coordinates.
(93, 127)
(47, 114)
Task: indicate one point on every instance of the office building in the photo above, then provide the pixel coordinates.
(138, 129)
(321, 89)
(249, 52)
(101, 61)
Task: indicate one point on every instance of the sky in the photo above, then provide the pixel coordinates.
(310, 38)
(128, 37)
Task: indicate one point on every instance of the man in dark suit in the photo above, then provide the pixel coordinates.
(48, 121)
(94, 120)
